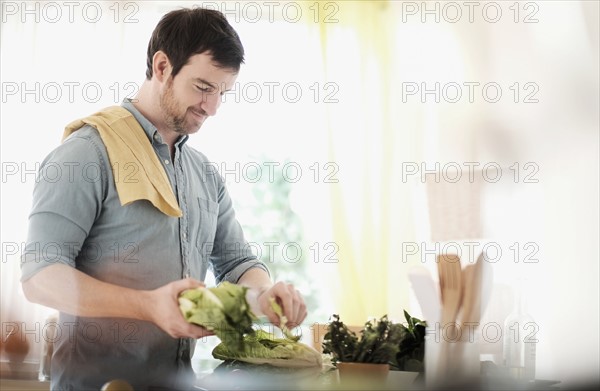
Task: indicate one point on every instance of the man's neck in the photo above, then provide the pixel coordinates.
(147, 102)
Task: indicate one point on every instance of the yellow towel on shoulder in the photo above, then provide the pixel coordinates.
(138, 173)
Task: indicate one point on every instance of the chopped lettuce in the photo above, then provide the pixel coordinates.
(265, 348)
(222, 310)
(225, 311)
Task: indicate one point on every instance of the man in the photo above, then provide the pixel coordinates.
(114, 267)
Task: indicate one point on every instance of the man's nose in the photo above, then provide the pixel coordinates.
(211, 103)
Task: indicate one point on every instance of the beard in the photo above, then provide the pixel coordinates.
(173, 117)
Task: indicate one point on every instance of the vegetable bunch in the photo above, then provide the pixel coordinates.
(225, 311)
(222, 310)
(264, 348)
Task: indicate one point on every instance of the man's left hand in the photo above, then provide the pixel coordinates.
(290, 300)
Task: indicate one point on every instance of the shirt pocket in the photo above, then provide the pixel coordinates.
(207, 226)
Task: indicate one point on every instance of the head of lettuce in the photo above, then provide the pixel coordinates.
(224, 310)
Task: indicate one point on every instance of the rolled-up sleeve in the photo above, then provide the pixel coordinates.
(67, 199)
(232, 256)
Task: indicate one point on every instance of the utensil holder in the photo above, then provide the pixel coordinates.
(451, 360)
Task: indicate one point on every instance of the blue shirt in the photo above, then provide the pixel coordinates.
(77, 220)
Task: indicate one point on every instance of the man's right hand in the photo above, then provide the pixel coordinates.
(54, 287)
(162, 308)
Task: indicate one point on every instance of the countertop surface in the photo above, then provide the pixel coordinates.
(22, 385)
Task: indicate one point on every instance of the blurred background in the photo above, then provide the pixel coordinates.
(369, 136)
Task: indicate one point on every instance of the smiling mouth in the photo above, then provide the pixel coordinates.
(198, 115)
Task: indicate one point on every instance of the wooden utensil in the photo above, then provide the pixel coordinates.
(477, 287)
(450, 274)
(466, 350)
(471, 287)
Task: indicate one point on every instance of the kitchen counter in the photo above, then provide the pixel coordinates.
(23, 385)
(248, 379)
(21, 376)
(300, 379)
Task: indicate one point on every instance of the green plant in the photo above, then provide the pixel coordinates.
(381, 342)
(378, 343)
(411, 352)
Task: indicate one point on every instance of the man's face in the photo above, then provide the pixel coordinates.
(194, 94)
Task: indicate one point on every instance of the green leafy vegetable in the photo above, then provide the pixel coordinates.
(222, 310)
(263, 348)
(225, 311)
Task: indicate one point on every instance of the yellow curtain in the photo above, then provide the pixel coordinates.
(370, 206)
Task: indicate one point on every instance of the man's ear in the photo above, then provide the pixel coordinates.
(161, 66)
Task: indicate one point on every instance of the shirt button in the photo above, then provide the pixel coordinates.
(157, 137)
(166, 161)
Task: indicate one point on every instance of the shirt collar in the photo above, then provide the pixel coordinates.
(148, 127)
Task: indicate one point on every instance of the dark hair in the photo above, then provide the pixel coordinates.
(186, 32)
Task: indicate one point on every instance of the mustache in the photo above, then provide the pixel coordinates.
(199, 111)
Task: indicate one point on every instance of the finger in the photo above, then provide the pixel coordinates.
(266, 309)
(189, 330)
(192, 282)
(292, 319)
(299, 310)
(287, 300)
(301, 314)
(200, 332)
(265, 302)
(187, 283)
(299, 320)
